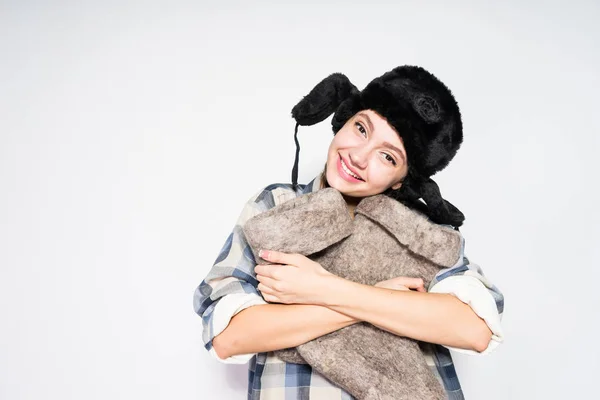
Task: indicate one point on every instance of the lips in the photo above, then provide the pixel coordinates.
(350, 168)
(345, 174)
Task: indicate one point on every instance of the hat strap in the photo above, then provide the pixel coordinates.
(295, 168)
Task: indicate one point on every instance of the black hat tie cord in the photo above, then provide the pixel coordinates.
(295, 168)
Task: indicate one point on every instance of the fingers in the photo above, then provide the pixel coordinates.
(279, 257)
(271, 298)
(265, 270)
(268, 294)
(411, 283)
(414, 283)
(265, 287)
(269, 284)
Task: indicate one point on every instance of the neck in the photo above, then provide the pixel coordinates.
(351, 202)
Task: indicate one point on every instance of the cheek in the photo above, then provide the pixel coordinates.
(331, 146)
(345, 138)
(380, 175)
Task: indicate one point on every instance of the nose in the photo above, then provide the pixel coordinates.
(358, 157)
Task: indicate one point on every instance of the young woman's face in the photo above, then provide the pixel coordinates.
(372, 151)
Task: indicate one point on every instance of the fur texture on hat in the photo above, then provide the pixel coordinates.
(419, 107)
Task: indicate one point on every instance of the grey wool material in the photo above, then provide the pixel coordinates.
(384, 240)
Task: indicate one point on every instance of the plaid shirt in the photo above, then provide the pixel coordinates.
(231, 286)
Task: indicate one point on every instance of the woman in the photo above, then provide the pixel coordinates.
(389, 138)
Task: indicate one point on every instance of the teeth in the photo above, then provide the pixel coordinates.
(348, 171)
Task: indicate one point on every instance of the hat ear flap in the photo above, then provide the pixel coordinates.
(323, 100)
(345, 111)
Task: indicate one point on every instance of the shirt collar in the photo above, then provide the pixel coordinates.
(313, 185)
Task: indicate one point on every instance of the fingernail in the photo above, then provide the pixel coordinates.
(263, 254)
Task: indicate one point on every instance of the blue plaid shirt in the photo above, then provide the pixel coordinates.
(231, 286)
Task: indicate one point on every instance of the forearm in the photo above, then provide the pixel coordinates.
(430, 317)
(271, 327)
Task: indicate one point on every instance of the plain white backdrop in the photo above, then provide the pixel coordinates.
(132, 133)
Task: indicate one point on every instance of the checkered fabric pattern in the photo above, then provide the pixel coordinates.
(231, 286)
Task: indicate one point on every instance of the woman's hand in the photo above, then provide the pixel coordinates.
(403, 283)
(291, 279)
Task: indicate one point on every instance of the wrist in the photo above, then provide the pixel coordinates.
(339, 318)
(335, 288)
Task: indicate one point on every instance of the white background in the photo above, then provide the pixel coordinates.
(131, 135)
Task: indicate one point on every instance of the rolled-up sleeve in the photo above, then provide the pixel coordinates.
(231, 284)
(467, 282)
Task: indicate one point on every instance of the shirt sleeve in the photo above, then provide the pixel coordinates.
(231, 284)
(467, 282)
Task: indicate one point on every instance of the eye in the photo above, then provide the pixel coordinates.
(361, 128)
(390, 158)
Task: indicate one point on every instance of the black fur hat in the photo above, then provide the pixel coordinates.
(419, 107)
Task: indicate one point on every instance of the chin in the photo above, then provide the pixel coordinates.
(338, 183)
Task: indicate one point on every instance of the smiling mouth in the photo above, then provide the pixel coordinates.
(348, 171)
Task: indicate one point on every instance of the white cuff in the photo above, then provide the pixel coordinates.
(225, 309)
(473, 292)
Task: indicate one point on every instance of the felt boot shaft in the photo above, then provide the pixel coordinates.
(384, 240)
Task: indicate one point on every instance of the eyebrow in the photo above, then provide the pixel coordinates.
(387, 144)
(365, 116)
(391, 146)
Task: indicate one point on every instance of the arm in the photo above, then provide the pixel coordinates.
(458, 312)
(277, 326)
(467, 283)
(430, 317)
(462, 310)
